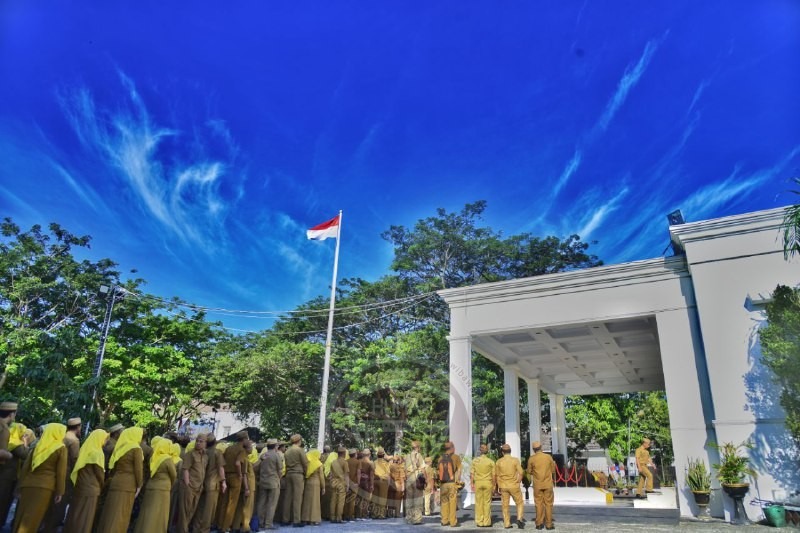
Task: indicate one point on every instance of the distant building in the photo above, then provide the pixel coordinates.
(222, 422)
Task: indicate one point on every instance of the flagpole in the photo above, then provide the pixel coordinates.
(323, 401)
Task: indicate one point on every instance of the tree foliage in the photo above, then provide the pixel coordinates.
(780, 346)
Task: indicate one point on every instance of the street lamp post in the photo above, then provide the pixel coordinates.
(111, 298)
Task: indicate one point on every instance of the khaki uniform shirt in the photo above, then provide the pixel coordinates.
(483, 469)
(541, 468)
(296, 460)
(382, 468)
(195, 463)
(509, 472)
(233, 454)
(340, 472)
(642, 457)
(215, 460)
(269, 476)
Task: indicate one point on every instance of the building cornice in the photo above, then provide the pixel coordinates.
(644, 271)
(770, 219)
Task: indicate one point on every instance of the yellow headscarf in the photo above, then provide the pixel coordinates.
(162, 450)
(91, 453)
(129, 439)
(52, 439)
(15, 438)
(313, 462)
(221, 446)
(190, 447)
(175, 452)
(253, 457)
(326, 468)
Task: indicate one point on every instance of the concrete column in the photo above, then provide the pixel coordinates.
(511, 388)
(555, 429)
(562, 425)
(691, 410)
(534, 411)
(460, 415)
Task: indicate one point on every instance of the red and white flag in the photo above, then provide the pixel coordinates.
(320, 232)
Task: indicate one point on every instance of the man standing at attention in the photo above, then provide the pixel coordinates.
(367, 484)
(340, 477)
(354, 465)
(542, 468)
(296, 466)
(191, 483)
(509, 477)
(643, 463)
(483, 480)
(449, 472)
(269, 484)
(235, 476)
(415, 467)
(213, 482)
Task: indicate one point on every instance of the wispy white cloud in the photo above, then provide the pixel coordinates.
(86, 194)
(10, 199)
(181, 193)
(596, 216)
(629, 80)
(733, 189)
(569, 170)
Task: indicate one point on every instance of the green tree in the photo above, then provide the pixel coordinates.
(780, 346)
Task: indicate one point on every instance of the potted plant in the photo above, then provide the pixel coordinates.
(698, 479)
(732, 471)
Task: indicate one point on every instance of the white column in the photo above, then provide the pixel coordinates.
(691, 409)
(511, 387)
(562, 424)
(534, 410)
(554, 429)
(460, 415)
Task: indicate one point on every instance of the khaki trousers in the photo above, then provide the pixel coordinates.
(230, 499)
(449, 499)
(483, 503)
(338, 495)
(507, 494)
(295, 485)
(187, 505)
(267, 503)
(543, 499)
(644, 474)
(201, 523)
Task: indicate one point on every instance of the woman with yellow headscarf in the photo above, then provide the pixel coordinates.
(154, 516)
(127, 463)
(314, 488)
(43, 480)
(88, 477)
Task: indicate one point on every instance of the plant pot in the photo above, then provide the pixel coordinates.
(702, 497)
(737, 492)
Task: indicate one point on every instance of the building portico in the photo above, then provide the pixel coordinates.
(679, 324)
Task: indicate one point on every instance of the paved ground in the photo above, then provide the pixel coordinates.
(398, 526)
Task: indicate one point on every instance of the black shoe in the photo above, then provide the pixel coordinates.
(540, 527)
(551, 528)
(521, 524)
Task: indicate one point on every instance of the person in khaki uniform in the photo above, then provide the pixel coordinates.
(113, 434)
(380, 494)
(126, 481)
(155, 511)
(542, 469)
(57, 512)
(366, 485)
(449, 468)
(236, 477)
(415, 467)
(213, 483)
(244, 509)
(88, 477)
(430, 485)
(42, 480)
(8, 463)
(397, 484)
(340, 477)
(269, 484)
(193, 474)
(483, 480)
(644, 463)
(296, 468)
(509, 476)
(354, 466)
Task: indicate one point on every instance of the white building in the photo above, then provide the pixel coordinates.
(686, 324)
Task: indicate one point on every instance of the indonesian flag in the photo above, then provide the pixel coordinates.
(320, 232)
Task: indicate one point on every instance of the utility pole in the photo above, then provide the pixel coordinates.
(111, 297)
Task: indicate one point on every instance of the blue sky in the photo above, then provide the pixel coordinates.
(196, 141)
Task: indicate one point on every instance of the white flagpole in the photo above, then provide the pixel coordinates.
(323, 401)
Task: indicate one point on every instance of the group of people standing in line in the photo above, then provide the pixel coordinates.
(116, 482)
